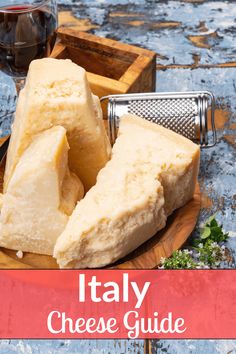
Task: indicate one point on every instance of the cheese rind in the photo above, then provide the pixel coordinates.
(40, 196)
(152, 172)
(57, 93)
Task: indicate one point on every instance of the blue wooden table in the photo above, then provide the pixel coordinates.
(196, 50)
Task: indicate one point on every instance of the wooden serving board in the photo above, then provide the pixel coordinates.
(179, 226)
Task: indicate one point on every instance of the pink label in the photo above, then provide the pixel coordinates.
(118, 304)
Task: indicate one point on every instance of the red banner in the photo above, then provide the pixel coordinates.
(117, 304)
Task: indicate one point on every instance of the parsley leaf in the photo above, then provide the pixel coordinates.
(206, 232)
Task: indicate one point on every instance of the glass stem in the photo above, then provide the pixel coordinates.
(19, 83)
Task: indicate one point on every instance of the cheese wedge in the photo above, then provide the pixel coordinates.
(40, 196)
(57, 93)
(176, 157)
(152, 172)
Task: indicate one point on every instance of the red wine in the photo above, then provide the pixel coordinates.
(26, 33)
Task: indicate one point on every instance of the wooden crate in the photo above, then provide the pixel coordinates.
(112, 67)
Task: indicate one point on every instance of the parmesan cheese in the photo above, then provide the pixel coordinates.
(57, 93)
(152, 172)
(40, 196)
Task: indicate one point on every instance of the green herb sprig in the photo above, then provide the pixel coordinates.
(206, 251)
(181, 259)
(212, 232)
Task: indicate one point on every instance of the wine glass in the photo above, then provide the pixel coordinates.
(27, 32)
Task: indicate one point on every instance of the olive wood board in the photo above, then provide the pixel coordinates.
(179, 226)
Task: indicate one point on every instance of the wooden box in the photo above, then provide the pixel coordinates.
(112, 67)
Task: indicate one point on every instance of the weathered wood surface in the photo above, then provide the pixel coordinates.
(195, 45)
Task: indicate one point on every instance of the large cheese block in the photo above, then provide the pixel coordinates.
(57, 93)
(40, 196)
(152, 172)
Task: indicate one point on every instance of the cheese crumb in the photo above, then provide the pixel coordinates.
(19, 254)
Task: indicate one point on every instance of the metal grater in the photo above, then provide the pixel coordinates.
(183, 112)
